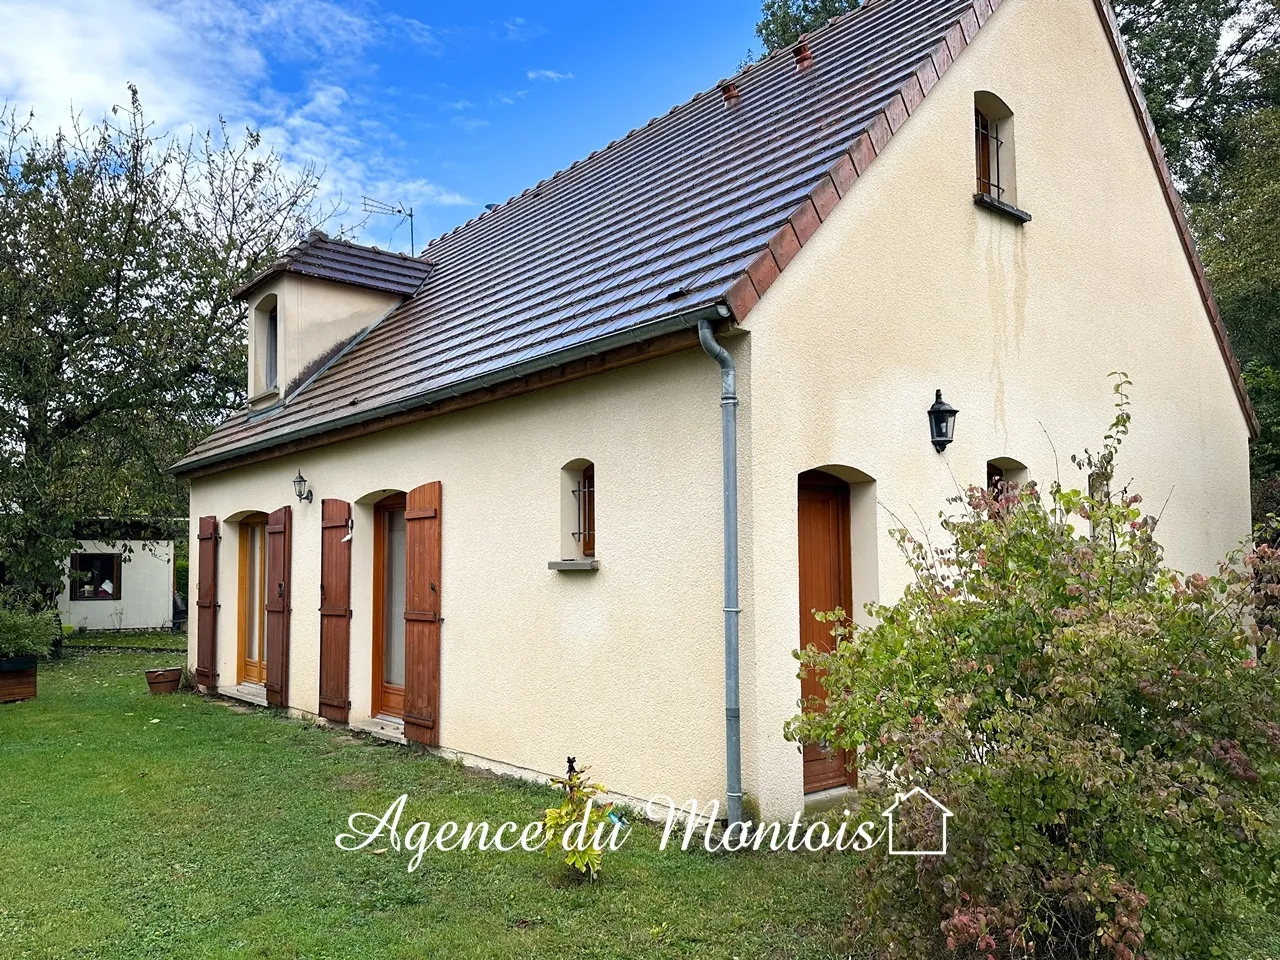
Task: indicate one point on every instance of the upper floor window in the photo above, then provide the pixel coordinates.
(272, 359)
(265, 347)
(993, 128)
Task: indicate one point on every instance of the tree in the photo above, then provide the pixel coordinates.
(120, 343)
(783, 21)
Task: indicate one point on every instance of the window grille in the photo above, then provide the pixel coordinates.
(987, 134)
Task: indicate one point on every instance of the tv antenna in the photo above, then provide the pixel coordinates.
(370, 205)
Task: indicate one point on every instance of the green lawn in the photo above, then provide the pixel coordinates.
(138, 826)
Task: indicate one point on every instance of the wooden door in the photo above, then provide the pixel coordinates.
(279, 595)
(335, 608)
(422, 614)
(388, 605)
(207, 604)
(825, 583)
(253, 599)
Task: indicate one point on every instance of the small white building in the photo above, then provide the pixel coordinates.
(119, 585)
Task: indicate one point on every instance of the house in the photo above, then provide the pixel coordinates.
(572, 480)
(927, 815)
(121, 576)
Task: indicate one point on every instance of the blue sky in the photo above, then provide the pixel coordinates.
(445, 107)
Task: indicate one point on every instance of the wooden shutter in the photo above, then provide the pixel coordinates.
(279, 564)
(207, 604)
(422, 615)
(335, 609)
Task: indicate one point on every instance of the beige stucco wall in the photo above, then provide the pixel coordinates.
(909, 287)
(622, 667)
(313, 315)
(146, 589)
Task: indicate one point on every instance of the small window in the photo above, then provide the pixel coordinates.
(987, 132)
(95, 576)
(993, 129)
(264, 347)
(578, 510)
(1007, 471)
(272, 358)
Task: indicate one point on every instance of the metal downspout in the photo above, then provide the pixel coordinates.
(729, 457)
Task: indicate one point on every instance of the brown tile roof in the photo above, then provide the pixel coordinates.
(345, 262)
(695, 212)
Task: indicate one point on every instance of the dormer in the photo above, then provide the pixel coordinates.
(313, 299)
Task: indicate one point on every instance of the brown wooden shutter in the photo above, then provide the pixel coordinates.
(422, 615)
(207, 604)
(335, 609)
(279, 564)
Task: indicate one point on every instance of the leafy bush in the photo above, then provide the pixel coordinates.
(1104, 729)
(566, 840)
(25, 634)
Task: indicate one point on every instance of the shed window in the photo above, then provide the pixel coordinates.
(95, 576)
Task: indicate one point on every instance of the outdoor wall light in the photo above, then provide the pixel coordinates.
(300, 486)
(942, 423)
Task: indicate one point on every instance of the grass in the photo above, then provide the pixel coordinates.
(128, 639)
(134, 826)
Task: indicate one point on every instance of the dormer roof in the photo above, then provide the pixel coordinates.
(341, 261)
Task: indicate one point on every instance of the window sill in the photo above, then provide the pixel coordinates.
(589, 564)
(999, 206)
(265, 398)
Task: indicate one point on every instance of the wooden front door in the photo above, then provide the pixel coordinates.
(335, 608)
(826, 582)
(388, 606)
(253, 600)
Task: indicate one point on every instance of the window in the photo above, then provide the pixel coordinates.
(577, 511)
(987, 132)
(1005, 470)
(993, 131)
(253, 600)
(389, 579)
(272, 358)
(95, 576)
(264, 347)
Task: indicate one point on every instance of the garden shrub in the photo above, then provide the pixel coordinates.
(1105, 729)
(25, 634)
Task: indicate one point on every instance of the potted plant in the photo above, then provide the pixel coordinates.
(166, 680)
(24, 638)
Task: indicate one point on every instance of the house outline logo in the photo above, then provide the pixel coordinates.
(902, 798)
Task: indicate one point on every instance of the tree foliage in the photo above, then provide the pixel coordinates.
(1104, 729)
(120, 344)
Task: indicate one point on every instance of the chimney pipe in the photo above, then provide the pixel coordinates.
(802, 53)
(729, 90)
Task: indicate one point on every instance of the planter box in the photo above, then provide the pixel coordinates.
(17, 679)
(164, 681)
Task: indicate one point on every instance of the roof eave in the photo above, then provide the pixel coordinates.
(715, 310)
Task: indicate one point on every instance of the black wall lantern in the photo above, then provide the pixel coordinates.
(942, 423)
(300, 486)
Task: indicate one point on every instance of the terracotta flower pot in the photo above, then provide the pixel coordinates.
(164, 681)
(17, 679)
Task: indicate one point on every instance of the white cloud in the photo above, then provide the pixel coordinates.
(469, 124)
(196, 60)
(553, 75)
(520, 30)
